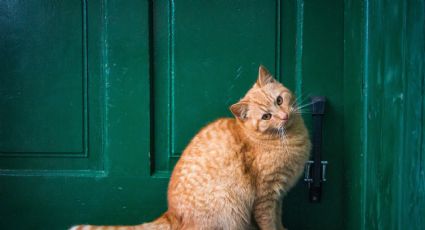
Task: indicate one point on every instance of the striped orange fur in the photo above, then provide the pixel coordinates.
(235, 171)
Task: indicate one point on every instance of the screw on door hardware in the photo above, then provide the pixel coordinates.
(315, 170)
(307, 171)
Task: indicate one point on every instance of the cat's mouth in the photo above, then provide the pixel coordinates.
(285, 123)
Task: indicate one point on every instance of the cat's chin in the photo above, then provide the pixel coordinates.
(276, 133)
(285, 125)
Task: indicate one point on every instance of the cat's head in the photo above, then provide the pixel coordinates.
(267, 107)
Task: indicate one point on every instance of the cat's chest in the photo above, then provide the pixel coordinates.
(274, 160)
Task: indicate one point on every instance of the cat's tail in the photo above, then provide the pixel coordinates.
(166, 222)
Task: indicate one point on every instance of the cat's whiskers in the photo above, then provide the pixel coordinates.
(284, 139)
(303, 108)
(303, 94)
(279, 131)
(302, 111)
(297, 102)
(298, 108)
(275, 134)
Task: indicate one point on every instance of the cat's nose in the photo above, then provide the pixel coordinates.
(283, 116)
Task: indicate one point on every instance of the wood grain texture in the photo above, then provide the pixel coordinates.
(388, 187)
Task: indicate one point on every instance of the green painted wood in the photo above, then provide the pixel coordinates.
(99, 98)
(55, 192)
(185, 100)
(225, 47)
(314, 62)
(388, 188)
(39, 85)
(394, 115)
(46, 86)
(354, 101)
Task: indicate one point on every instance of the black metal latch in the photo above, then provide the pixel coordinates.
(315, 169)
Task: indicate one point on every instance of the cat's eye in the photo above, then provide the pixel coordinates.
(266, 116)
(279, 100)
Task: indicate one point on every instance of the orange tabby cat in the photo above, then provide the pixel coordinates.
(234, 172)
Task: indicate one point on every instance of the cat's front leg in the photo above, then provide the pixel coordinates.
(279, 223)
(265, 213)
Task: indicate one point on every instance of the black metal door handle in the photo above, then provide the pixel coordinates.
(315, 171)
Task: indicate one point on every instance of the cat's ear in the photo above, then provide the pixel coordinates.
(264, 76)
(240, 110)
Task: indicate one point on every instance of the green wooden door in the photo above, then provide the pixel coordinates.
(75, 120)
(99, 98)
(384, 114)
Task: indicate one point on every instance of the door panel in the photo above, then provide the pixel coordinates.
(217, 41)
(201, 67)
(46, 87)
(384, 57)
(389, 57)
(38, 85)
(108, 181)
(312, 64)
